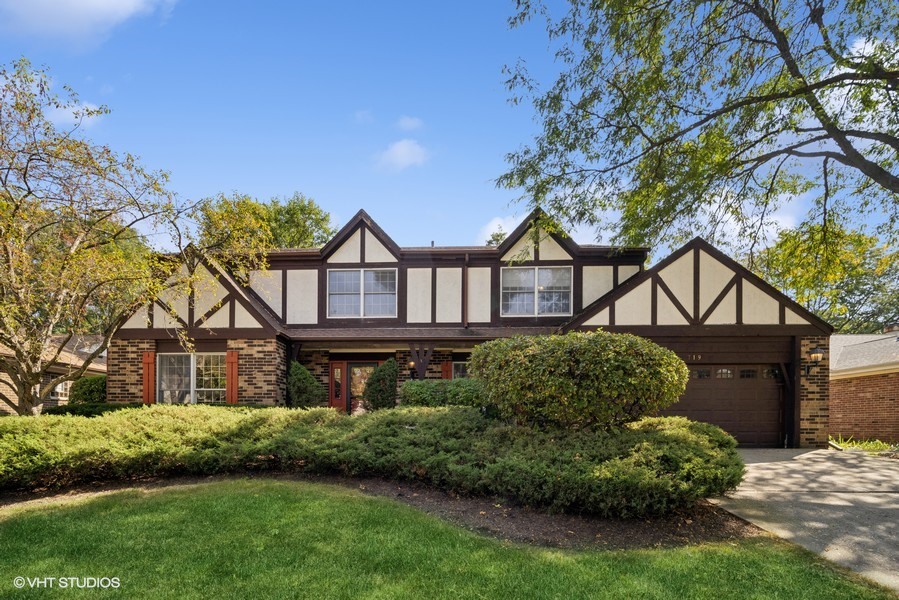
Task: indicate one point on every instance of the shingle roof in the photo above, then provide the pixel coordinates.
(74, 352)
(864, 351)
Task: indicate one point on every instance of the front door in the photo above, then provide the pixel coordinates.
(348, 381)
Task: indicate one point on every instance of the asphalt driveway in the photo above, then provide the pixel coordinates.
(842, 505)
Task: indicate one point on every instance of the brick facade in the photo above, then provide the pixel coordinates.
(124, 382)
(865, 407)
(261, 371)
(814, 394)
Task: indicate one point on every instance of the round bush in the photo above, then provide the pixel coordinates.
(88, 390)
(578, 379)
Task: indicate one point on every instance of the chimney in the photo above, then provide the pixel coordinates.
(432, 245)
(891, 328)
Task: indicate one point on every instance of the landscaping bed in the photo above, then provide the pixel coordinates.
(652, 466)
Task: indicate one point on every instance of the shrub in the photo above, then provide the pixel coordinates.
(88, 390)
(91, 409)
(380, 389)
(442, 392)
(579, 379)
(648, 467)
(304, 390)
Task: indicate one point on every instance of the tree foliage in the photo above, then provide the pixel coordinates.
(671, 118)
(497, 237)
(846, 277)
(87, 236)
(298, 222)
(380, 389)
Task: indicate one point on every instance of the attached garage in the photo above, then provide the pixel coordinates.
(753, 371)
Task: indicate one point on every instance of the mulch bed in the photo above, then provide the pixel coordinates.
(700, 524)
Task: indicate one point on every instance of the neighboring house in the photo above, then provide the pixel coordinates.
(71, 357)
(361, 299)
(864, 386)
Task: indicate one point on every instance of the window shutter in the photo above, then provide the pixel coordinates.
(231, 382)
(149, 378)
(447, 369)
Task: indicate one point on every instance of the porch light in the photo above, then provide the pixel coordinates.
(815, 356)
(412, 372)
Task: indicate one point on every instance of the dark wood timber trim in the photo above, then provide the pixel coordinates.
(362, 244)
(697, 318)
(739, 300)
(171, 313)
(215, 308)
(718, 299)
(782, 313)
(654, 300)
(191, 296)
(284, 295)
(231, 311)
(421, 354)
(680, 307)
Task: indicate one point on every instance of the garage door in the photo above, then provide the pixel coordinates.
(744, 400)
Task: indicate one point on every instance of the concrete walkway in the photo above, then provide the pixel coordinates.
(842, 505)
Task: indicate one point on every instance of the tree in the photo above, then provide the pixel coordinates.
(75, 254)
(497, 237)
(672, 118)
(852, 282)
(298, 222)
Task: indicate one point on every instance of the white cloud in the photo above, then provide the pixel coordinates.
(66, 118)
(402, 155)
(407, 123)
(507, 224)
(364, 116)
(77, 20)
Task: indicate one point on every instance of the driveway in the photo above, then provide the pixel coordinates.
(842, 505)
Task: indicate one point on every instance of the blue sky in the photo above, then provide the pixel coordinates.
(395, 107)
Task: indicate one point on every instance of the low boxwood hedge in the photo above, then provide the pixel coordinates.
(649, 467)
(442, 392)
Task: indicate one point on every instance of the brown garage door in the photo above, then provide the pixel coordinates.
(744, 400)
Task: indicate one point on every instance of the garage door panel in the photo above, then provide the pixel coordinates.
(744, 400)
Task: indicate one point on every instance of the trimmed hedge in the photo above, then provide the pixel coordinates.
(304, 390)
(579, 379)
(648, 467)
(88, 390)
(442, 392)
(92, 409)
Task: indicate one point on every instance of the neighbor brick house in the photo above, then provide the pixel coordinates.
(864, 386)
(71, 357)
(342, 309)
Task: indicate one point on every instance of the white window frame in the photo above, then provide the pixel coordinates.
(57, 394)
(536, 312)
(193, 373)
(362, 314)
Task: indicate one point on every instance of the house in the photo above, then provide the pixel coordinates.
(72, 356)
(758, 360)
(864, 386)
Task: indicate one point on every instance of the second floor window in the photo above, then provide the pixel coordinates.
(529, 291)
(362, 293)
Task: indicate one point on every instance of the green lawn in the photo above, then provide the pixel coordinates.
(280, 539)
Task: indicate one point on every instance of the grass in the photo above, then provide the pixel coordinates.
(279, 539)
(869, 446)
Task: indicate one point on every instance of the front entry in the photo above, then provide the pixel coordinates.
(348, 381)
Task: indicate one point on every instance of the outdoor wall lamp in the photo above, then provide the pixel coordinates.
(413, 374)
(815, 356)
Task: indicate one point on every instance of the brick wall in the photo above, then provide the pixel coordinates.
(865, 407)
(8, 390)
(814, 394)
(124, 376)
(318, 364)
(261, 371)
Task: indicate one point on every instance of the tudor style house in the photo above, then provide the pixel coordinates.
(758, 361)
